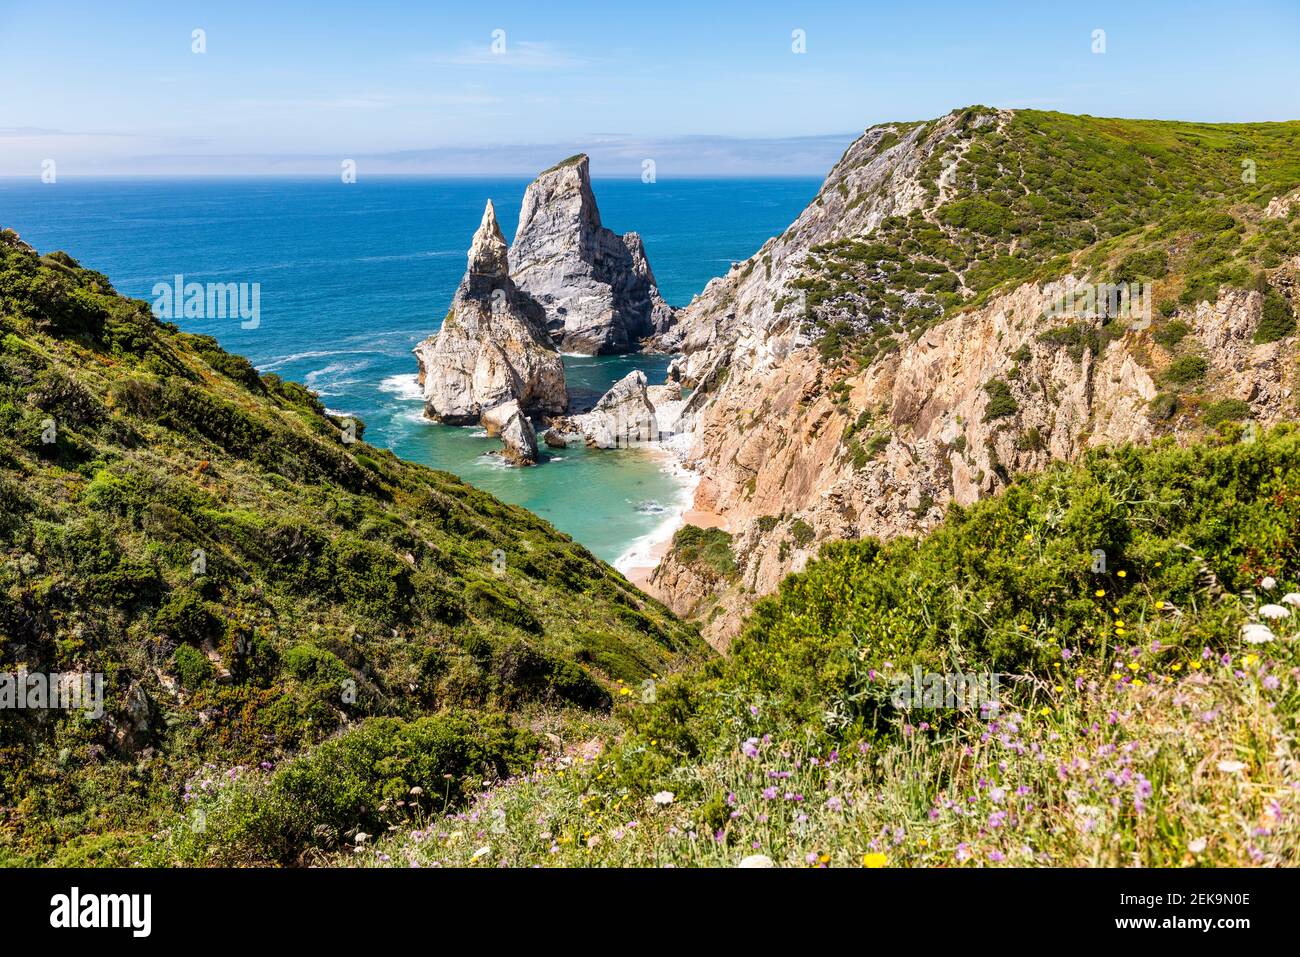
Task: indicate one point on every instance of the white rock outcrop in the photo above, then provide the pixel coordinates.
(596, 286)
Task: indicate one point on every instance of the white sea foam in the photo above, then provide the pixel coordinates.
(281, 361)
(331, 378)
(641, 553)
(404, 386)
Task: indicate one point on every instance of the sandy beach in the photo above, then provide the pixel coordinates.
(640, 561)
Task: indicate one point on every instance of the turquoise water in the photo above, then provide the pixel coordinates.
(353, 276)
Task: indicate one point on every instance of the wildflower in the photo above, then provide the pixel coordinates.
(756, 860)
(769, 794)
(1100, 593)
(963, 851)
(874, 859)
(483, 851)
(1271, 682)
(1274, 612)
(1121, 574)
(1196, 845)
(1268, 583)
(834, 804)
(1231, 767)
(664, 798)
(1292, 598)
(749, 747)
(1256, 634)
(998, 857)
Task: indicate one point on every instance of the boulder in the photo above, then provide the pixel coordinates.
(623, 417)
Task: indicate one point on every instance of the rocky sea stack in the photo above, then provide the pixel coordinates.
(492, 352)
(596, 286)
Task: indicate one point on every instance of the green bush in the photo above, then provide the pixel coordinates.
(710, 547)
(1278, 318)
(361, 780)
(1171, 333)
(1185, 369)
(1225, 410)
(191, 666)
(185, 617)
(1001, 402)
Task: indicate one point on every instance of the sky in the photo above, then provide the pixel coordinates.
(702, 88)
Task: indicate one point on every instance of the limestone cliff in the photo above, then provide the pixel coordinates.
(596, 287)
(799, 441)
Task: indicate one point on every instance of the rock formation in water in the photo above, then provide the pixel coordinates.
(492, 351)
(624, 417)
(597, 288)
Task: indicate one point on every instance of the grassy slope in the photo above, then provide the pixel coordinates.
(1137, 724)
(1042, 193)
(329, 566)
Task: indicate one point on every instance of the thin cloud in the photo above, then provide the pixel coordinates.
(515, 55)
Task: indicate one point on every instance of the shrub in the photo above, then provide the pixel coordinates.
(1001, 402)
(1164, 405)
(1185, 369)
(1171, 333)
(191, 666)
(1278, 318)
(1225, 410)
(185, 617)
(351, 783)
(710, 547)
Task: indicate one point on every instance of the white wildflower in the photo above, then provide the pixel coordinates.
(664, 798)
(1256, 634)
(757, 860)
(1231, 767)
(1196, 845)
(1274, 611)
(1268, 583)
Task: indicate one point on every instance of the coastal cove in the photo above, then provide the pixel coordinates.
(352, 276)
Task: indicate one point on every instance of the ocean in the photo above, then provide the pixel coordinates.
(352, 276)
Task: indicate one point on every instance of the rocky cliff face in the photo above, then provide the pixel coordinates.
(492, 350)
(596, 287)
(796, 447)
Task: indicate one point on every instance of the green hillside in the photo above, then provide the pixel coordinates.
(1032, 195)
(1148, 707)
(251, 582)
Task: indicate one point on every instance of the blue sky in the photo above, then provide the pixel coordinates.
(701, 87)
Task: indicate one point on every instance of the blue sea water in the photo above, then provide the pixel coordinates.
(352, 276)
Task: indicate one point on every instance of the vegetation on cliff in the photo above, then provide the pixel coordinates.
(1142, 609)
(1029, 195)
(251, 581)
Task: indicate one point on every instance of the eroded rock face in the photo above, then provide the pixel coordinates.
(596, 287)
(624, 417)
(493, 347)
(519, 441)
(794, 451)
